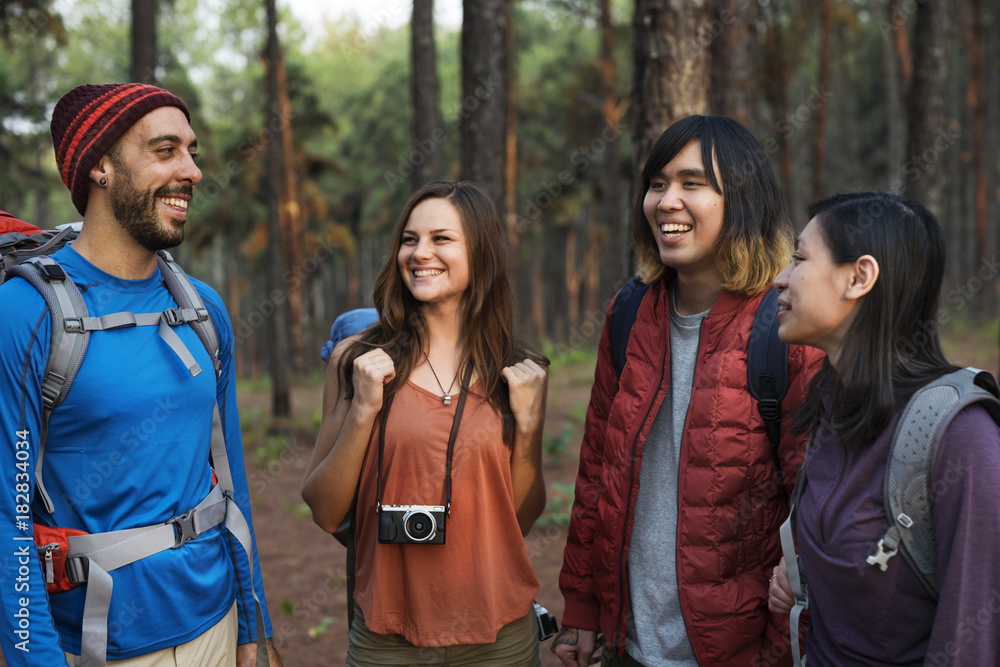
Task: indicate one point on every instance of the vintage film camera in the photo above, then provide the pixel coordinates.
(411, 524)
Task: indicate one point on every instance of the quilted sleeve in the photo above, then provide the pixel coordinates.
(582, 609)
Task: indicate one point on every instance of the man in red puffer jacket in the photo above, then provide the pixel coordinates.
(674, 530)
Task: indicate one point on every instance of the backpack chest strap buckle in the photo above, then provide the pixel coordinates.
(184, 524)
(177, 316)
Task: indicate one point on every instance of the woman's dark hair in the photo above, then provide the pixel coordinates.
(891, 349)
(756, 240)
(486, 307)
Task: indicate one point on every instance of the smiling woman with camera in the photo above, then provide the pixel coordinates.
(431, 435)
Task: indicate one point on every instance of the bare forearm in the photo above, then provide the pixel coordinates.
(330, 487)
(246, 655)
(526, 476)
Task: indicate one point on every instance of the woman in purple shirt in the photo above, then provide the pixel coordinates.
(863, 286)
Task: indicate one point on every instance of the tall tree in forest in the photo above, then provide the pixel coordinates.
(483, 112)
(292, 227)
(733, 58)
(143, 67)
(973, 39)
(823, 84)
(921, 173)
(775, 76)
(428, 128)
(612, 111)
(899, 69)
(278, 350)
(517, 283)
(672, 71)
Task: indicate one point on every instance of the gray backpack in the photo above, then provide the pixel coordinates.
(908, 489)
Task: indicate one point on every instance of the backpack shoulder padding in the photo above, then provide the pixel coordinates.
(914, 447)
(767, 375)
(67, 344)
(623, 315)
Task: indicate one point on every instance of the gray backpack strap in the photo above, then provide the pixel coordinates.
(92, 557)
(908, 493)
(796, 579)
(184, 293)
(68, 341)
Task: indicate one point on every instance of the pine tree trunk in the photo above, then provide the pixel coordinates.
(896, 84)
(483, 114)
(819, 154)
(143, 68)
(973, 38)
(991, 145)
(428, 128)
(515, 270)
(734, 59)
(775, 86)
(921, 174)
(574, 278)
(291, 219)
(672, 68)
(278, 347)
(614, 213)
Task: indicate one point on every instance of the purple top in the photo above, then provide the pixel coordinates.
(863, 616)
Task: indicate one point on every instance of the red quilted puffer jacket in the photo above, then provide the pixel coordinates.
(729, 506)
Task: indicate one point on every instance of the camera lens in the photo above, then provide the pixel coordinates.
(419, 525)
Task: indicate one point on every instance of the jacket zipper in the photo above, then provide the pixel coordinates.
(622, 578)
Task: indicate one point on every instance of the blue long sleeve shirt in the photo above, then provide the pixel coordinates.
(129, 447)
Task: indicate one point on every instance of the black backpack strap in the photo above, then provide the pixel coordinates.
(623, 317)
(909, 470)
(767, 374)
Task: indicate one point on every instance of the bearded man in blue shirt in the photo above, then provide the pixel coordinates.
(162, 562)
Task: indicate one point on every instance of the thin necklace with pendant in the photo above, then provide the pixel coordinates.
(445, 395)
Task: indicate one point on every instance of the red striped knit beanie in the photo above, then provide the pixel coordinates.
(90, 119)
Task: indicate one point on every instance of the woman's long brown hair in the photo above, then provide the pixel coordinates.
(486, 308)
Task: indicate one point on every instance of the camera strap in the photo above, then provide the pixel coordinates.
(384, 418)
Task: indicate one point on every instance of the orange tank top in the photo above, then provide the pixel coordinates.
(464, 591)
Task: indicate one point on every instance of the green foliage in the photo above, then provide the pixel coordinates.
(553, 447)
(578, 413)
(255, 424)
(287, 608)
(254, 420)
(271, 447)
(321, 627)
(560, 504)
(562, 356)
(298, 510)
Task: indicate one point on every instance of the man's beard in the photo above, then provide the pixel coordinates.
(136, 213)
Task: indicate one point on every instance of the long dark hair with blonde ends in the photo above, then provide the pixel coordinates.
(756, 240)
(486, 308)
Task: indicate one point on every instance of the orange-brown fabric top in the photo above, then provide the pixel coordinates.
(464, 591)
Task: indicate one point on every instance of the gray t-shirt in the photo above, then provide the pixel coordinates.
(657, 636)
